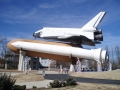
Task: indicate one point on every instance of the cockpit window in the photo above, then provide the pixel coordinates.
(40, 32)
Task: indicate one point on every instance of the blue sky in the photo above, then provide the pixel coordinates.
(20, 18)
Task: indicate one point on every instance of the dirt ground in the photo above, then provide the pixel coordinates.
(88, 86)
(21, 77)
(112, 75)
(84, 86)
(28, 77)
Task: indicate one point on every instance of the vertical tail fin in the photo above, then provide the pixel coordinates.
(95, 21)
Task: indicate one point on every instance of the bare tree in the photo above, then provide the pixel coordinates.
(113, 61)
(2, 51)
(112, 54)
(7, 56)
(117, 52)
(3, 46)
(2, 39)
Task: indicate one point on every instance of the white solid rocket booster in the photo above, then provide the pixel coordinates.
(94, 54)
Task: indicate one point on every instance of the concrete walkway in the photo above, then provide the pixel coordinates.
(38, 84)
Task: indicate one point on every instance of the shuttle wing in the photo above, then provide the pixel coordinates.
(95, 21)
(64, 37)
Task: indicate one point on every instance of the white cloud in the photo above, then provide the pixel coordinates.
(46, 5)
(78, 1)
(35, 17)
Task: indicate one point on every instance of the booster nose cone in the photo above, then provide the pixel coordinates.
(17, 44)
(14, 44)
(11, 47)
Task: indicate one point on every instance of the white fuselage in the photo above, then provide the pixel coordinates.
(62, 33)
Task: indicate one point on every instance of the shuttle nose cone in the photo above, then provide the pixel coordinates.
(36, 35)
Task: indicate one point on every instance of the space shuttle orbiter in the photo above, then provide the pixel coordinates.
(89, 34)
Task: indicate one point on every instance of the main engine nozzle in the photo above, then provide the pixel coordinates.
(98, 32)
(98, 37)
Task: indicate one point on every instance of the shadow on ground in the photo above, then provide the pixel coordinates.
(81, 79)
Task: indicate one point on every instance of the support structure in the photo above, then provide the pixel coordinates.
(6, 66)
(21, 60)
(26, 65)
(98, 66)
(37, 63)
(73, 63)
(49, 65)
(78, 66)
(72, 69)
(110, 66)
(32, 63)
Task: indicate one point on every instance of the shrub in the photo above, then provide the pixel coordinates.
(6, 82)
(55, 84)
(63, 83)
(34, 87)
(70, 81)
(18, 87)
(67, 82)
